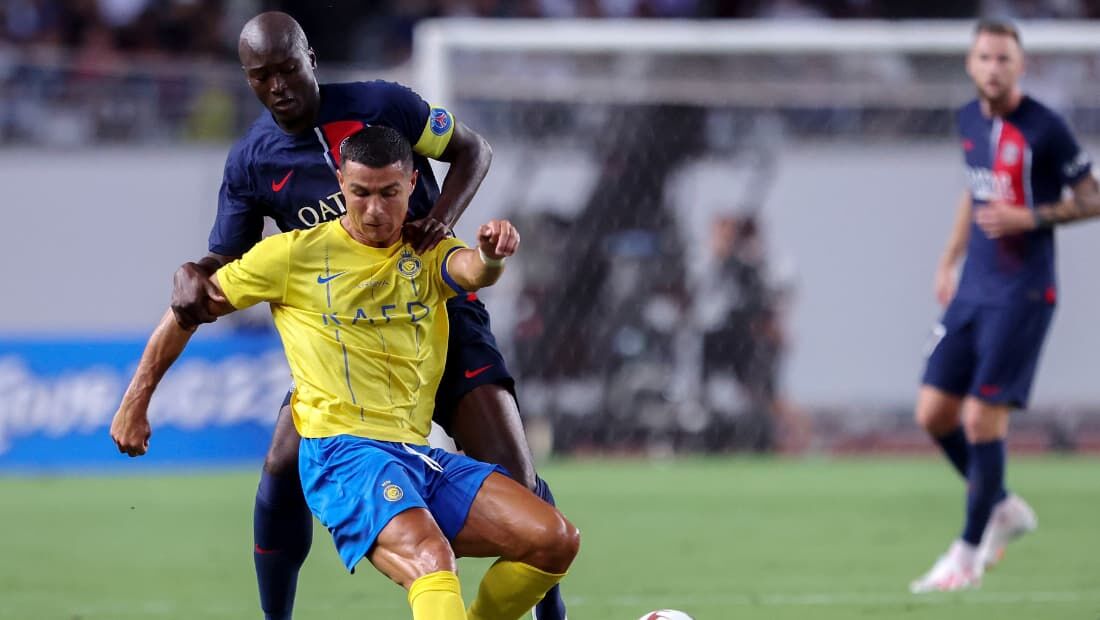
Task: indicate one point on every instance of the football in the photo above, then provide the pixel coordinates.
(666, 614)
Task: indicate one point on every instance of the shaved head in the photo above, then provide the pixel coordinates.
(279, 64)
(273, 32)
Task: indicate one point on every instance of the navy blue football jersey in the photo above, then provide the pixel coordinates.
(1024, 159)
(292, 178)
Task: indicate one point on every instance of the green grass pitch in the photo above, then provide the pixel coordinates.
(720, 539)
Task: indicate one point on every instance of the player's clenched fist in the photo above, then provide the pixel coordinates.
(497, 239)
(130, 429)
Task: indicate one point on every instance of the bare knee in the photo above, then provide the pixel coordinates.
(412, 546)
(556, 545)
(931, 421)
(937, 412)
(431, 556)
(985, 421)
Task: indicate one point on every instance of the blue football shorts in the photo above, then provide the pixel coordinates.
(355, 486)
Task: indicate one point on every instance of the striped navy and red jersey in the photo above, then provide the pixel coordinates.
(1026, 159)
(291, 178)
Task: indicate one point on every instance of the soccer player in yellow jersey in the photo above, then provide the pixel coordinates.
(363, 322)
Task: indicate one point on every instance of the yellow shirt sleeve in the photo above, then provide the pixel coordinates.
(443, 253)
(437, 133)
(260, 275)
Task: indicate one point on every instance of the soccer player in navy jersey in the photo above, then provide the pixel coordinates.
(285, 168)
(1020, 156)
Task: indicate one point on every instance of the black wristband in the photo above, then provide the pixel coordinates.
(1041, 222)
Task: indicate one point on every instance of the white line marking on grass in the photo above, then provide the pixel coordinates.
(233, 609)
(840, 599)
(226, 609)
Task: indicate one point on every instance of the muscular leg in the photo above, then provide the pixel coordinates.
(939, 413)
(536, 545)
(486, 423)
(414, 553)
(986, 429)
(282, 523)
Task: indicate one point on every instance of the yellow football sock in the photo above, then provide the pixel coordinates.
(437, 596)
(509, 590)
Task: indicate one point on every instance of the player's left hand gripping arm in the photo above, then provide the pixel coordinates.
(469, 155)
(477, 268)
(130, 428)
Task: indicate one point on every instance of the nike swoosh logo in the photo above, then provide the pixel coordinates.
(470, 374)
(327, 279)
(278, 187)
(260, 550)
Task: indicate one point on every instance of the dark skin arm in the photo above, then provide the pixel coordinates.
(469, 155)
(192, 290)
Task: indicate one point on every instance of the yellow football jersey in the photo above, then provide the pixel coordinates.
(364, 329)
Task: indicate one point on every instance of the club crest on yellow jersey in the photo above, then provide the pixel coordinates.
(408, 265)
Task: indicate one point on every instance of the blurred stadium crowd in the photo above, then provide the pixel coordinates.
(380, 32)
(162, 70)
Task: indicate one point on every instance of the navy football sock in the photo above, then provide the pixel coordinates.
(551, 607)
(986, 486)
(956, 449)
(283, 529)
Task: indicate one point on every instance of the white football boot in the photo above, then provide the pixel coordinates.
(1011, 519)
(958, 569)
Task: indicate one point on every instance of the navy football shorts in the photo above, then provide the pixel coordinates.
(989, 352)
(473, 358)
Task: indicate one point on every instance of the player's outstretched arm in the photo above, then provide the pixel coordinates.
(470, 156)
(477, 268)
(130, 428)
(946, 278)
(192, 290)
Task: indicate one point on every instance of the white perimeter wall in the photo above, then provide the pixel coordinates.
(92, 237)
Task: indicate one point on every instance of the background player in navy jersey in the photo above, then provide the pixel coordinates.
(1019, 156)
(285, 168)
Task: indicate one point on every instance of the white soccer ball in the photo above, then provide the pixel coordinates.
(666, 614)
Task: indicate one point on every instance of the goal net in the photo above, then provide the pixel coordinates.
(726, 225)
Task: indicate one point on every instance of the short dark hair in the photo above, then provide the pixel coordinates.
(998, 26)
(377, 146)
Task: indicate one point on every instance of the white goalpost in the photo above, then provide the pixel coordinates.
(437, 42)
(624, 144)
